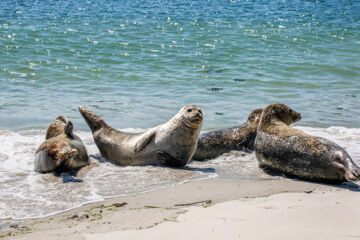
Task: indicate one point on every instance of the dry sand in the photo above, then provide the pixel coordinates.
(211, 209)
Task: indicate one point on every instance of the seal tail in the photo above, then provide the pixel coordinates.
(92, 120)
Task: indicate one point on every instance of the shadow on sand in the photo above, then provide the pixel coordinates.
(351, 186)
(100, 159)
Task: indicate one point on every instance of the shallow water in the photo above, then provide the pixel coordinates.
(25, 193)
(139, 60)
(136, 63)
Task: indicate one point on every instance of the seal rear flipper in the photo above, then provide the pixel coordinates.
(167, 159)
(144, 141)
(92, 120)
(353, 174)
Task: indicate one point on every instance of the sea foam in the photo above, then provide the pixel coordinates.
(25, 193)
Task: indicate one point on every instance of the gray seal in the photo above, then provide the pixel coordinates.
(287, 150)
(62, 150)
(240, 138)
(172, 143)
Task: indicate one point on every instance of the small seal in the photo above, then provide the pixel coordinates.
(172, 143)
(62, 150)
(287, 150)
(240, 138)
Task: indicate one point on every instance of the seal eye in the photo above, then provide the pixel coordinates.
(200, 111)
(189, 110)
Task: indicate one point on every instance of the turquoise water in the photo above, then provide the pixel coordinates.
(136, 63)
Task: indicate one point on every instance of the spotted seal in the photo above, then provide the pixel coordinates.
(241, 138)
(172, 143)
(62, 150)
(287, 150)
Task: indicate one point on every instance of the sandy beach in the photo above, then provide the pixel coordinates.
(135, 64)
(209, 209)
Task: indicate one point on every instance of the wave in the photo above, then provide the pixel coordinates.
(25, 193)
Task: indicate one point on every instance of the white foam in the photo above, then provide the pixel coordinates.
(25, 193)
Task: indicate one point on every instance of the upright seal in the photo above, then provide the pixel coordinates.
(62, 150)
(241, 138)
(172, 143)
(295, 153)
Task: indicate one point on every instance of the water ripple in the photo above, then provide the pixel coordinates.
(151, 57)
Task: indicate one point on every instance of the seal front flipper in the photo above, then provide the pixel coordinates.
(144, 141)
(92, 120)
(69, 129)
(167, 159)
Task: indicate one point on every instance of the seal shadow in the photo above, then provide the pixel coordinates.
(198, 169)
(351, 186)
(187, 168)
(101, 159)
(67, 177)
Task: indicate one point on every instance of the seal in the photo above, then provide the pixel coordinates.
(240, 138)
(172, 143)
(287, 150)
(62, 150)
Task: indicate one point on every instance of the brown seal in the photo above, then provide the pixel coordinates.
(287, 150)
(241, 138)
(62, 150)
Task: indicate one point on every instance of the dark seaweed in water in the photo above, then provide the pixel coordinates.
(213, 89)
(215, 71)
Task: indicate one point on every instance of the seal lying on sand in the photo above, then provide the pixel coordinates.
(215, 143)
(172, 143)
(293, 152)
(62, 150)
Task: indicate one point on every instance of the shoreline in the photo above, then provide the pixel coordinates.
(43, 194)
(152, 208)
(94, 202)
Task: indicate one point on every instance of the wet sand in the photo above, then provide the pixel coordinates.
(211, 209)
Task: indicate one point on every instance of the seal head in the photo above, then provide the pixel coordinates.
(254, 119)
(56, 128)
(190, 116)
(278, 112)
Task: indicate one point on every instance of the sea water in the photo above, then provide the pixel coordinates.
(136, 63)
